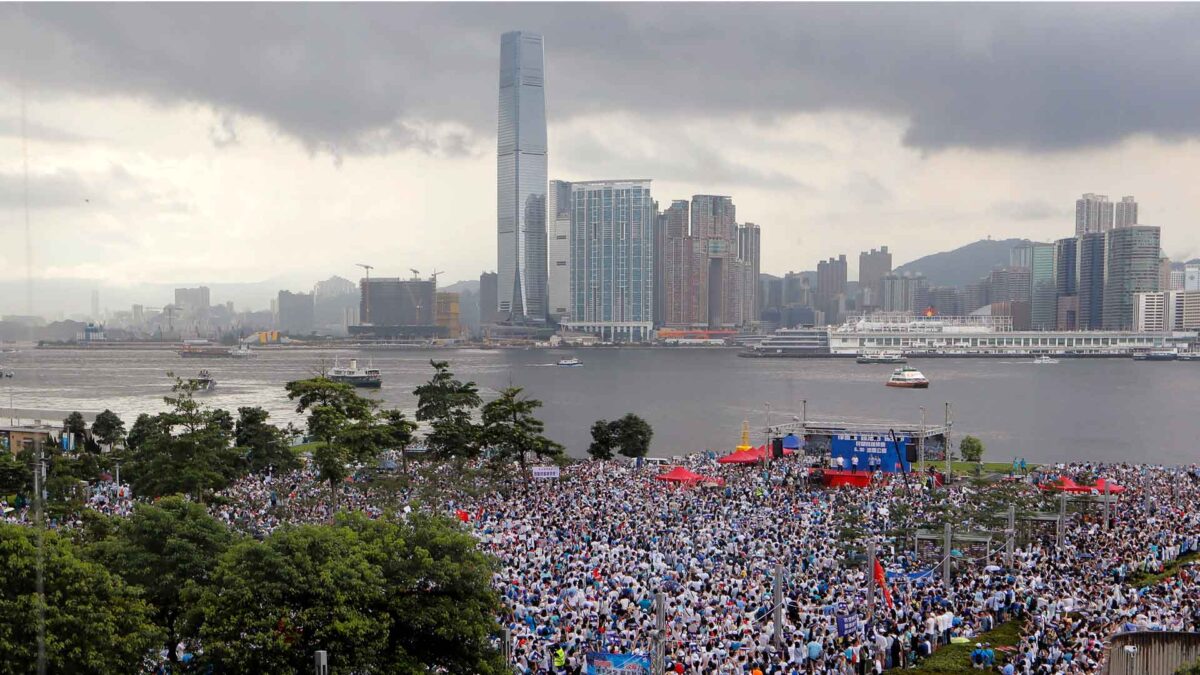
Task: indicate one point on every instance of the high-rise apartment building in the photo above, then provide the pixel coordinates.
(1093, 213)
(1131, 266)
(521, 180)
(676, 295)
(558, 249)
(945, 301)
(1176, 280)
(905, 293)
(398, 302)
(1092, 256)
(749, 238)
(831, 287)
(295, 313)
(612, 259)
(1155, 312)
(1125, 212)
(192, 299)
(873, 266)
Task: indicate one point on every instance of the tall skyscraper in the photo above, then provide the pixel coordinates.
(1125, 213)
(1038, 258)
(831, 287)
(711, 265)
(905, 293)
(1091, 281)
(612, 259)
(1093, 213)
(521, 180)
(873, 266)
(488, 292)
(558, 249)
(295, 313)
(1066, 283)
(1132, 266)
(1191, 277)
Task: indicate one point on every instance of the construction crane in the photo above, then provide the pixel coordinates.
(434, 275)
(366, 294)
(416, 273)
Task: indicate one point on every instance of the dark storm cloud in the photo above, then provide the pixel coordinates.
(372, 78)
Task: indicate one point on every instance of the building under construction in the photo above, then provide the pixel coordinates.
(398, 308)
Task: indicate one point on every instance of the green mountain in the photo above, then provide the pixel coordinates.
(964, 264)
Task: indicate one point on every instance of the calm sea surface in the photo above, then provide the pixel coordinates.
(695, 399)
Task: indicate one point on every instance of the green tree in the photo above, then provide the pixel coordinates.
(510, 427)
(15, 475)
(603, 440)
(272, 604)
(95, 622)
(446, 404)
(264, 444)
(108, 428)
(343, 422)
(632, 435)
(971, 449)
(439, 599)
(75, 424)
(398, 433)
(145, 428)
(186, 449)
(169, 549)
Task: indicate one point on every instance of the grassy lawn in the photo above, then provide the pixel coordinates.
(957, 658)
(968, 468)
(1142, 579)
(306, 447)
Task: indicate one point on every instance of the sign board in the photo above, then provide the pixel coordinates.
(541, 472)
(601, 663)
(847, 625)
(873, 452)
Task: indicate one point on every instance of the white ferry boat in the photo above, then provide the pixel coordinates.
(204, 382)
(242, 351)
(359, 377)
(570, 363)
(908, 378)
(881, 357)
(1044, 359)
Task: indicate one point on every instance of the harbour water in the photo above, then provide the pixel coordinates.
(696, 399)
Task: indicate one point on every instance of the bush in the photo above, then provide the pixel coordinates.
(971, 449)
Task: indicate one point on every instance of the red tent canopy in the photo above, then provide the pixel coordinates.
(1066, 484)
(681, 475)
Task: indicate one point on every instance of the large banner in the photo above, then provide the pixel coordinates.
(600, 663)
(540, 472)
(872, 452)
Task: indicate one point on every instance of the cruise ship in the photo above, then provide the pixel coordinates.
(978, 336)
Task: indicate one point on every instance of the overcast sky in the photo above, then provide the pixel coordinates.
(231, 142)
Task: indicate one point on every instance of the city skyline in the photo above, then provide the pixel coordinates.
(379, 165)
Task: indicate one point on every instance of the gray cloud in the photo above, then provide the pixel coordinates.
(371, 78)
(86, 192)
(691, 162)
(1037, 209)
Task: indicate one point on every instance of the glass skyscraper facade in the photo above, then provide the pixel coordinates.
(613, 226)
(521, 180)
(1133, 255)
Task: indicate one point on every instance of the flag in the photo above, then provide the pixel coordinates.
(462, 515)
(882, 581)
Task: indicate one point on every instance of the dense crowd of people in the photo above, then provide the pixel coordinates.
(582, 559)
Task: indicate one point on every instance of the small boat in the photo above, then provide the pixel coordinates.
(1044, 359)
(908, 378)
(881, 357)
(570, 363)
(359, 377)
(242, 351)
(1188, 356)
(204, 382)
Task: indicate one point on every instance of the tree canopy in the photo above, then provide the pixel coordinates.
(169, 549)
(108, 428)
(341, 419)
(263, 444)
(629, 435)
(512, 430)
(95, 622)
(971, 449)
(446, 403)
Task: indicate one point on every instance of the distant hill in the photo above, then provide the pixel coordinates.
(963, 265)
